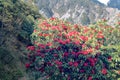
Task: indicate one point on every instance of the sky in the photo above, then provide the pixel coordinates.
(104, 1)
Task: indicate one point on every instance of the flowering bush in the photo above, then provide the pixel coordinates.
(63, 51)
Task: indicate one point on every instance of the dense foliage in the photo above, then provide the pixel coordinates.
(17, 16)
(16, 24)
(63, 51)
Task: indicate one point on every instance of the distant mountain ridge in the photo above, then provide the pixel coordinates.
(76, 11)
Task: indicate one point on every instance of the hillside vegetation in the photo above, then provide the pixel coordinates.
(35, 48)
(16, 24)
(63, 51)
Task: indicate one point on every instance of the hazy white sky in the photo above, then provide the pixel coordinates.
(103, 1)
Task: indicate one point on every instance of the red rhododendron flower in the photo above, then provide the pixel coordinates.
(61, 42)
(82, 70)
(97, 47)
(90, 78)
(45, 35)
(64, 27)
(68, 78)
(35, 31)
(92, 61)
(49, 63)
(41, 45)
(84, 38)
(56, 39)
(90, 50)
(37, 54)
(85, 64)
(109, 58)
(77, 54)
(75, 64)
(59, 48)
(86, 30)
(40, 34)
(77, 42)
(83, 45)
(27, 65)
(84, 52)
(32, 48)
(100, 36)
(55, 27)
(52, 18)
(60, 34)
(38, 51)
(104, 71)
(47, 24)
(73, 53)
(73, 33)
(49, 44)
(65, 54)
(70, 63)
(58, 63)
(75, 26)
(67, 41)
(55, 55)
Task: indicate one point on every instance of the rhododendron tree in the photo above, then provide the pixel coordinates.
(63, 51)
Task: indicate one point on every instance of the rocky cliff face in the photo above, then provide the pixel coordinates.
(76, 11)
(114, 4)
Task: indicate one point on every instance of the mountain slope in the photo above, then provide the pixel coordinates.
(114, 4)
(75, 11)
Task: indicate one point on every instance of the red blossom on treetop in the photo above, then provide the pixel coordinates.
(75, 64)
(84, 38)
(104, 71)
(90, 78)
(109, 58)
(70, 63)
(65, 54)
(85, 64)
(32, 48)
(58, 63)
(27, 65)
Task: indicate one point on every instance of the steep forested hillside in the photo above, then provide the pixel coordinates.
(16, 24)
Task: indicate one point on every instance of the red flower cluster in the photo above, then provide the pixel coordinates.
(109, 58)
(32, 48)
(84, 38)
(75, 64)
(104, 71)
(67, 48)
(70, 63)
(58, 63)
(27, 65)
(92, 61)
(90, 78)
